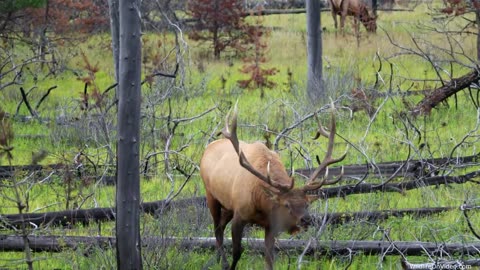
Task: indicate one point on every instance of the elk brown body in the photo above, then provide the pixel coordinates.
(246, 183)
(355, 8)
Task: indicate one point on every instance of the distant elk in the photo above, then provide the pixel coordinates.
(246, 183)
(362, 101)
(355, 8)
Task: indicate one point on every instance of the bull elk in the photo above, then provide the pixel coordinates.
(246, 183)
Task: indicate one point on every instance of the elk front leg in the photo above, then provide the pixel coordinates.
(356, 25)
(335, 23)
(237, 233)
(269, 248)
(343, 16)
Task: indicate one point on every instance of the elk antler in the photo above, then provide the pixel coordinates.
(230, 132)
(321, 130)
(328, 160)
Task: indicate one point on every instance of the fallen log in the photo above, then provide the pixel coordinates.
(440, 94)
(266, 12)
(84, 216)
(342, 191)
(412, 168)
(9, 171)
(55, 243)
(40, 171)
(371, 216)
(414, 248)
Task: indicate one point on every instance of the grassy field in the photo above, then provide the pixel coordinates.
(199, 88)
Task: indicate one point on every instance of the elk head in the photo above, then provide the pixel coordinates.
(370, 22)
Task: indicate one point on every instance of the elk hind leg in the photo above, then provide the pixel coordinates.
(335, 23)
(218, 220)
(343, 16)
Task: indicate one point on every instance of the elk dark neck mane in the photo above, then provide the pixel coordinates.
(263, 206)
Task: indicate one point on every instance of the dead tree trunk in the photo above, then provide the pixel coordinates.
(315, 87)
(442, 93)
(114, 26)
(127, 226)
(477, 20)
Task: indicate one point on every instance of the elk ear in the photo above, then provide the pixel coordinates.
(312, 198)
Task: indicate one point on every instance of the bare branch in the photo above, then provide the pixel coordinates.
(465, 209)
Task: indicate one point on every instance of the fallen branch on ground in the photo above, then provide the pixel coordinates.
(415, 248)
(342, 191)
(264, 12)
(442, 93)
(84, 216)
(413, 168)
(370, 216)
(69, 217)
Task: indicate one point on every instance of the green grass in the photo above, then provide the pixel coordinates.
(176, 259)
